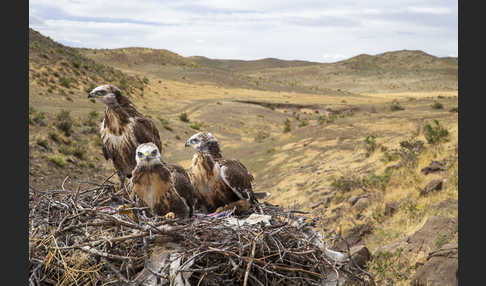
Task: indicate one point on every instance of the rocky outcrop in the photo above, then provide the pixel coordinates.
(441, 268)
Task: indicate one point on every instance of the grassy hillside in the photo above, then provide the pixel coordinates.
(396, 71)
(312, 150)
(201, 70)
(248, 66)
(57, 70)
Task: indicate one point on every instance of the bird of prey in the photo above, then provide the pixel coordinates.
(222, 183)
(122, 129)
(165, 188)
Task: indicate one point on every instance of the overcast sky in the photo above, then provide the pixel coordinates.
(323, 31)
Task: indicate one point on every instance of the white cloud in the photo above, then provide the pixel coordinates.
(308, 29)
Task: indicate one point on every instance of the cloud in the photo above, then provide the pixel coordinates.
(252, 29)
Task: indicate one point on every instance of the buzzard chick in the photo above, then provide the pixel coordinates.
(165, 188)
(223, 183)
(122, 129)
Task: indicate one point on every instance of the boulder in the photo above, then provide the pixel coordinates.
(434, 166)
(434, 228)
(353, 236)
(391, 208)
(360, 255)
(441, 268)
(361, 204)
(434, 185)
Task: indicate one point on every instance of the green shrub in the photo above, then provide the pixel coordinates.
(54, 137)
(260, 136)
(196, 125)
(437, 105)
(395, 106)
(345, 184)
(370, 144)
(43, 142)
(303, 123)
(64, 122)
(287, 126)
(66, 82)
(79, 150)
(183, 117)
(59, 161)
(375, 181)
(435, 133)
(36, 117)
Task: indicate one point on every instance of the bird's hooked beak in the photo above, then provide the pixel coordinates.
(91, 95)
(187, 144)
(147, 156)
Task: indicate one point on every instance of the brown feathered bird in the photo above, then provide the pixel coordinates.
(222, 183)
(165, 188)
(122, 129)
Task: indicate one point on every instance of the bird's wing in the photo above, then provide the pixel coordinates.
(235, 175)
(145, 131)
(182, 185)
(106, 153)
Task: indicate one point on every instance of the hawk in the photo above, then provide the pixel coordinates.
(165, 188)
(122, 129)
(222, 183)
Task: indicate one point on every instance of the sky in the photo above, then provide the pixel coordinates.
(321, 31)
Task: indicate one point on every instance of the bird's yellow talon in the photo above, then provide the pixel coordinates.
(169, 215)
(220, 209)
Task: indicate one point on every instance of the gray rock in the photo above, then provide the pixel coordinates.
(441, 268)
(434, 185)
(361, 204)
(360, 255)
(391, 208)
(434, 166)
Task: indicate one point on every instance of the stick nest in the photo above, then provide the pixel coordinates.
(91, 236)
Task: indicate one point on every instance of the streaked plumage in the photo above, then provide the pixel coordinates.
(122, 129)
(163, 187)
(222, 183)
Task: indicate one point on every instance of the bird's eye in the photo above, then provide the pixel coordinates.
(139, 154)
(101, 92)
(154, 152)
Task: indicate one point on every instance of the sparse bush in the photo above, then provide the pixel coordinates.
(409, 151)
(90, 87)
(43, 142)
(183, 117)
(326, 119)
(54, 137)
(413, 211)
(177, 137)
(303, 123)
(196, 125)
(59, 161)
(260, 136)
(66, 82)
(370, 144)
(79, 150)
(395, 106)
(65, 150)
(375, 181)
(92, 121)
(64, 122)
(36, 117)
(437, 105)
(344, 184)
(389, 156)
(454, 109)
(287, 126)
(270, 150)
(435, 133)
